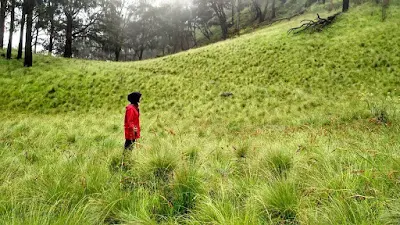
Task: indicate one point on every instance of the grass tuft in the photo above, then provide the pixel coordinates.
(162, 166)
(279, 202)
(279, 163)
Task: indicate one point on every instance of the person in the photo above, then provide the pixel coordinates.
(132, 123)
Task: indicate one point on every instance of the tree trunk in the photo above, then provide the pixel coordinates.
(345, 5)
(192, 30)
(28, 38)
(258, 13)
(238, 17)
(3, 5)
(21, 35)
(52, 27)
(141, 54)
(205, 30)
(219, 10)
(233, 12)
(175, 46)
(263, 13)
(261, 17)
(224, 29)
(188, 38)
(182, 41)
(273, 15)
(68, 41)
(9, 47)
(117, 53)
(36, 37)
(51, 35)
(194, 37)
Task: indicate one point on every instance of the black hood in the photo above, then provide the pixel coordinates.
(134, 97)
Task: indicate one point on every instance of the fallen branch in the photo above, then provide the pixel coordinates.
(312, 25)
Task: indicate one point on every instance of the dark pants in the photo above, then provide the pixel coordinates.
(129, 144)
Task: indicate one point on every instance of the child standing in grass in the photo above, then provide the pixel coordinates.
(132, 124)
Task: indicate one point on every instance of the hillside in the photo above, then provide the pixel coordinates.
(268, 67)
(309, 136)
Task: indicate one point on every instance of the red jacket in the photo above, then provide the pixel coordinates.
(131, 121)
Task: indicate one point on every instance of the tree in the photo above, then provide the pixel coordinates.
(50, 22)
(144, 29)
(192, 25)
(51, 12)
(30, 5)
(21, 31)
(202, 14)
(273, 14)
(113, 25)
(3, 8)
(219, 9)
(40, 22)
(232, 4)
(10, 37)
(75, 22)
(239, 3)
(345, 5)
(177, 28)
(260, 7)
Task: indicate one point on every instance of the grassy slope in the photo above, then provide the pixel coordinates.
(302, 115)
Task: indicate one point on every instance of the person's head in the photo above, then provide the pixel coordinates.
(134, 98)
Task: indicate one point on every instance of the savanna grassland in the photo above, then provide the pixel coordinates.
(310, 134)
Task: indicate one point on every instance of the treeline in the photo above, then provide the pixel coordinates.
(131, 29)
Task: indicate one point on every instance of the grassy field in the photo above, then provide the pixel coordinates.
(311, 134)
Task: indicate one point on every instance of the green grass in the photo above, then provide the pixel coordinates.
(301, 141)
